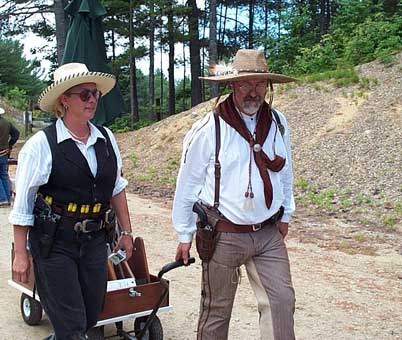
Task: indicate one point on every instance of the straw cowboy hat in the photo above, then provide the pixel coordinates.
(2, 111)
(247, 64)
(69, 75)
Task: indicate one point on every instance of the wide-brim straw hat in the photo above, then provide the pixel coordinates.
(2, 111)
(69, 75)
(247, 64)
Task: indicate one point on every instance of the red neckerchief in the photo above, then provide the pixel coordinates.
(231, 116)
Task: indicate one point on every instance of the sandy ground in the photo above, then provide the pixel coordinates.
(339, 296)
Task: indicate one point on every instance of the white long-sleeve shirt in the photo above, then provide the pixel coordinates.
(196, 175)
(35, 165)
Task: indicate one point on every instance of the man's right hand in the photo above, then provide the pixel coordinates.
(183, 252)
(21, 267)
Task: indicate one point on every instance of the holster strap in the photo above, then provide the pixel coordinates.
(228, 227)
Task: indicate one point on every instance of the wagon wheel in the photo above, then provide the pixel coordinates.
(154, 332)
(31, 310)
(96, 333)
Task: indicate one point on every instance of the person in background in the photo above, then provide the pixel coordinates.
(8, 137)
(68, 187)
(236, 173)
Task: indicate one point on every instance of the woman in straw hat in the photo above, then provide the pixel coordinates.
(68, 186)
(236, 165)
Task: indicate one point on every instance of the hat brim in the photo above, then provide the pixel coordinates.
(274, 77)
(47, 99)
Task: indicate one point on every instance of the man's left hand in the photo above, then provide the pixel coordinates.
(125, 242)
(283, 228)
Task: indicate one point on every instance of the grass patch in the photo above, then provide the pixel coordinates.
(340, 77)
(172, 164)
(303, 184)
(360, 237)
(134, 160)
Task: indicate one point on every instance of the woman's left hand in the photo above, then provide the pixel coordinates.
(125, 242)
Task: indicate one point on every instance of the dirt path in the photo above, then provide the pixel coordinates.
(339, 296)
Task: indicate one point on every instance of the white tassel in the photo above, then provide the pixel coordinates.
(248, 203)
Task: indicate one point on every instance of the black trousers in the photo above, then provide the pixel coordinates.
(71, 282)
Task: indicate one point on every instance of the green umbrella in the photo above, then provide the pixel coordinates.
(85, 44)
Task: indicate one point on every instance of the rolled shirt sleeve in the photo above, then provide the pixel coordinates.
(33, 170)
(287, 175)
(121, 182)
(197, 152)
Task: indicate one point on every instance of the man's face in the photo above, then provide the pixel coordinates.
(249, 95)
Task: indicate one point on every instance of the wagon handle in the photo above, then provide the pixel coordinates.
(164, 270)
(172, 265)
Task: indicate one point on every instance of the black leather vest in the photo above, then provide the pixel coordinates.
(71, 179)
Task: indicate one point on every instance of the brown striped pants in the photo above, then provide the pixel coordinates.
(266, 259)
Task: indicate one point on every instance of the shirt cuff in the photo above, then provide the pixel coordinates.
(286, 218)
(120, 186)
(21, 219)
(185, 238)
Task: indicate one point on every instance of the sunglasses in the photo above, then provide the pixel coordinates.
(86, 94)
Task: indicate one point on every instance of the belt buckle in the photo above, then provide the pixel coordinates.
(257, 226)
(83, 226)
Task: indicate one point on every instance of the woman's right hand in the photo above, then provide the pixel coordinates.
(21, 267)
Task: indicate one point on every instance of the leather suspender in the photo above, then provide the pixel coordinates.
(217, 163)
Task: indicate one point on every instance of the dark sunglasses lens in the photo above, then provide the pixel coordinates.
(85, 95)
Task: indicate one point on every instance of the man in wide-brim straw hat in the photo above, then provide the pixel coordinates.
(68, 186)
(236, 165)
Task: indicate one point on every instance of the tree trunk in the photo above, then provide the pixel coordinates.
(279, 10)
(213, 50)
(235, 28)
(172, 95)
(133, 71)
(219, 47)
(224, 31)
(113, 46)
(266, 30)
(62, 25)
(195, 60)
(251, 24)
(204, 24)
(184, 72)
(151, 61)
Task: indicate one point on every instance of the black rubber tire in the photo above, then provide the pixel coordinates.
(155, 330)
(31, 310)
(96, 333)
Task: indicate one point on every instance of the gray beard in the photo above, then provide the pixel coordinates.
(251, 107)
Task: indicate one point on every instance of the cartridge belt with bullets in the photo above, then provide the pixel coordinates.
(83, 218)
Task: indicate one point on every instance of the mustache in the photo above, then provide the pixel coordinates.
(252, 99)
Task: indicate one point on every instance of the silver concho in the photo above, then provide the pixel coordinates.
(257, 147)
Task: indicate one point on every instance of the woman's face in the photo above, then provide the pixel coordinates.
(81, 100)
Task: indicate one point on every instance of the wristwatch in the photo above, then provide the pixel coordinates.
(126, 233)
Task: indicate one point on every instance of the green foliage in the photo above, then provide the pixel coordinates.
(17, 72)
(134, 160)
(303, 184)
(123, 124)
(17, 98)
(375, 38)
(341, 76)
